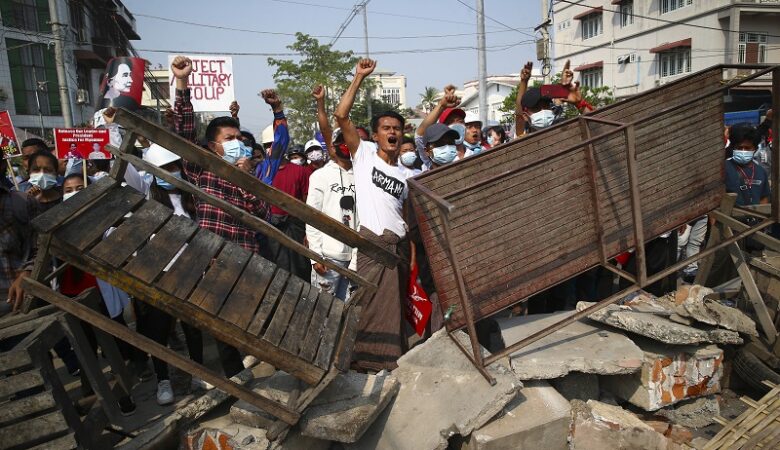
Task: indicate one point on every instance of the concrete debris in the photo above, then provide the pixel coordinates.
(599, 426)
(538, 418)
(342, 412)
(695, 413)
(441, 395)
(658, 327)
(673, 432)
(580, 347)
(579, 386)
(668, 375)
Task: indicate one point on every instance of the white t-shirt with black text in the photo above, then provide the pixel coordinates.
(380, 191)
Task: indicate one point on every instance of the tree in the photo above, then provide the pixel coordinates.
(359, 115)
(316, 64)
(428, 98)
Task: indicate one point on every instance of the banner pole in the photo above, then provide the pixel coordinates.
(11, 173)
(84, 170)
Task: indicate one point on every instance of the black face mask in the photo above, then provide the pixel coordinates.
(347, 202)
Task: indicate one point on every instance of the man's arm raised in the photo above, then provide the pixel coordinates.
(522, 88)
(364, 68)
(448, 100)
(322, 116)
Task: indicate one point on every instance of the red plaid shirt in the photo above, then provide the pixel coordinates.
(210, 217)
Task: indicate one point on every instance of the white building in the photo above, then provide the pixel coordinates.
(157, 94)
(390, 87)
(634, 45)
(498, 88)
(95, 31)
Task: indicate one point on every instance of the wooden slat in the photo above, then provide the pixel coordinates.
(314, 333)
(26, 406)
(330, 333)
(89, 227)
(220, 278)
(153, 257)
(131, 234)
(182, 277)
(32, 430)
(49, 220)
(241, 305)
(66, 442)
(300, 319)
(14, 360)
(284, 311)
(272, 295)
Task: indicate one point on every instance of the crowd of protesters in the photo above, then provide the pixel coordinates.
(354, 175)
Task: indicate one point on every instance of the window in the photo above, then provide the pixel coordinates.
(32, 65)
(752, 48)
(592, 78)
(391, 95)
(626, 13)
(31, 15)
(591, 26)
(564, 25)
(671, 5)
(675, 62)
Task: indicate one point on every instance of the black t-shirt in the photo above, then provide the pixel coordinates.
(749, 182)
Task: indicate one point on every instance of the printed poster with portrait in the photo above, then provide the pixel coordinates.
(8, 141)
(81, 143)
(123, 83)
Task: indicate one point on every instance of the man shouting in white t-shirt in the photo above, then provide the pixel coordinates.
(381, 192)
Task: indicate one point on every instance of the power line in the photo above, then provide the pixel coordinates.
(496, 21)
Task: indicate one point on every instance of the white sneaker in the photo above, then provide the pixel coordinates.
(164, 393)
(249, 361)
(197, 383)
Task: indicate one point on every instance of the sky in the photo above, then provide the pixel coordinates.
(411, 30)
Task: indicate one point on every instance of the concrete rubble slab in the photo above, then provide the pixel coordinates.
(658, 327)
(696, 413)
(341, 413)
(669, 374)
(230, 435)
(441, 395)
(580, 347)
(598, 426)
(538, 418)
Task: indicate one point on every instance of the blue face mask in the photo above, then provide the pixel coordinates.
(44, 181)
(232, 151)
(166, 185)
(491, 141)
(408, 158)
(475, 148)
(444, 154)
(742, 157)
(461, 129)
(246, 152)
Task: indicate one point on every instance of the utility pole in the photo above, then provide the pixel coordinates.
(543, 45)
(59, 59)
(482, 62)
(365, 39)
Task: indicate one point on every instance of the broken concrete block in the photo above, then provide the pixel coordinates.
(668, 375)
(538, 418)
(714, 313)
(579, 347)
(598, 426)
(342, 412)
(579, 386)
(673, 432)
(658, 327)
(441, 395)
(695, 413)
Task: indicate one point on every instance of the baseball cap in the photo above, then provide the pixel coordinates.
(296, 149)
(454, 112)
(268, 134)
(159, 156)
(436, 131)
(471, 118)
(312, 143)
(531, 97)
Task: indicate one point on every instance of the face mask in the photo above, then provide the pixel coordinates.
(315, 155)
(408, 159)
(491, 141)
(740, 157)
(246, 152)
(232, 151)
(444, 154)
(43, 180)
(99, 175)
(69, 195)
(297, 161)
(475, 148)
(461, 129)
(542, 119)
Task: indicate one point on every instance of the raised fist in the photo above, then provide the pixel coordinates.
(525, 74)
(234, 108)
(108, 115)
(181, 67)
(270, 96)
(318, 92)
(567, 76)
(365, 66)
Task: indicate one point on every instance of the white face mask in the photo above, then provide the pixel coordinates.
(68, 195)
(542, 119)
(315, 155)
(444, 154)
(408, 158)
(297, 161)
(44, 181)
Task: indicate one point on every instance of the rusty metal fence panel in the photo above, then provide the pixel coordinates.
(535, 212)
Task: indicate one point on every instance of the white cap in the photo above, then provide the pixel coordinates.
(268, 134)
(336, 134)
(312, 143)
(159, 156)
(471, 118)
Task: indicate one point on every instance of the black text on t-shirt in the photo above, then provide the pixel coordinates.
(387, 183)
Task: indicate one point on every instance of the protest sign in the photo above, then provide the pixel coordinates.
(8, 141)
(81, 143)
(123, 83)
(210, 83)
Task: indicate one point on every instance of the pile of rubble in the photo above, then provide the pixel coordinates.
(640, 375)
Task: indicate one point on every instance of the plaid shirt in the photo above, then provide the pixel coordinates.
(17, 237)
(210, 217)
